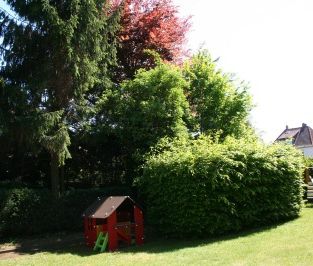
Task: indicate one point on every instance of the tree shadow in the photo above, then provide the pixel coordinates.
(170, 245)
(74, 243)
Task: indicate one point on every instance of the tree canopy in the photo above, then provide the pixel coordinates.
(53, 55)
(104, 82)
(219, 103)
(153, 105)
(149, 24)
(141, 111)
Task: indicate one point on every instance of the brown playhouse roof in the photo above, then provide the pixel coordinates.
(103, 208)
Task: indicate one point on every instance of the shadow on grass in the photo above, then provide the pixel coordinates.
(169, 245)
(74, 244)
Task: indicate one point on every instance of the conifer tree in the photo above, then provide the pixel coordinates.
(54, 52)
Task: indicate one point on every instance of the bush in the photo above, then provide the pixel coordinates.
(25, 211)
(200, 188)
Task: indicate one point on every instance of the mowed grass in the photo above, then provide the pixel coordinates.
(290, 243)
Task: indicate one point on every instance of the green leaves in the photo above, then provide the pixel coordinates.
(200, 188)
(58, 143)
(218, 103)
(25, 211)
(53, 61)
(152, 106)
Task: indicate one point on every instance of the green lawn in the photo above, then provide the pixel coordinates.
(287, 244)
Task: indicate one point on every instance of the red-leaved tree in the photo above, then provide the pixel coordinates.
(149, 24)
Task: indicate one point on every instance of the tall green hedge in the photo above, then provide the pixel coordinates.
(200, 188)
(25, 211)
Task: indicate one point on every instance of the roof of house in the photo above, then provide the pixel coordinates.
(103, 207)
(300, 136)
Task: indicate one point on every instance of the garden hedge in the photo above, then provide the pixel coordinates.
(201, 188)
(25, 211)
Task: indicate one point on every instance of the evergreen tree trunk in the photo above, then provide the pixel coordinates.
(55, 177)
(62, 185)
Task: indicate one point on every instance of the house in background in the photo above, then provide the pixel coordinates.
(300, 137)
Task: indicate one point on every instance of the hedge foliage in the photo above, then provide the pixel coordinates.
(25, 211)
(200, 188)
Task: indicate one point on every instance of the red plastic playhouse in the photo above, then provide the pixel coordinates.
(118, 218)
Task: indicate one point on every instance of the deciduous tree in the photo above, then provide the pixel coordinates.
(147, 108)
(219, 103)
(149, 24)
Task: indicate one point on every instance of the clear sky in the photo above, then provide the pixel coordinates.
(268, 43)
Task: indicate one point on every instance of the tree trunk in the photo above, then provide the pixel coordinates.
(62, 188)
(55, 177)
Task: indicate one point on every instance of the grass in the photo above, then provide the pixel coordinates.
(286, 244)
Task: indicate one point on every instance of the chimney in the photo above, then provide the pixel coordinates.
(286, 126)
(303, 125)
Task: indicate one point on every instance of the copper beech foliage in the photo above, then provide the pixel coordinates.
(149, 24)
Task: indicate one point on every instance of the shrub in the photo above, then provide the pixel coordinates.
(25, 211)
(200, 188)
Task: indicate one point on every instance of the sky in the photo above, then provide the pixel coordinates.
(267, 43)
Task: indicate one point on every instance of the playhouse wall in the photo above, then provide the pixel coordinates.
(92, 231)
(138, 215)
(113, 241)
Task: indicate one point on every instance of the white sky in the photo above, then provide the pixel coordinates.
(268, 43)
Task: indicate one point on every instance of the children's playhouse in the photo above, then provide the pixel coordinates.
(112, 221)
